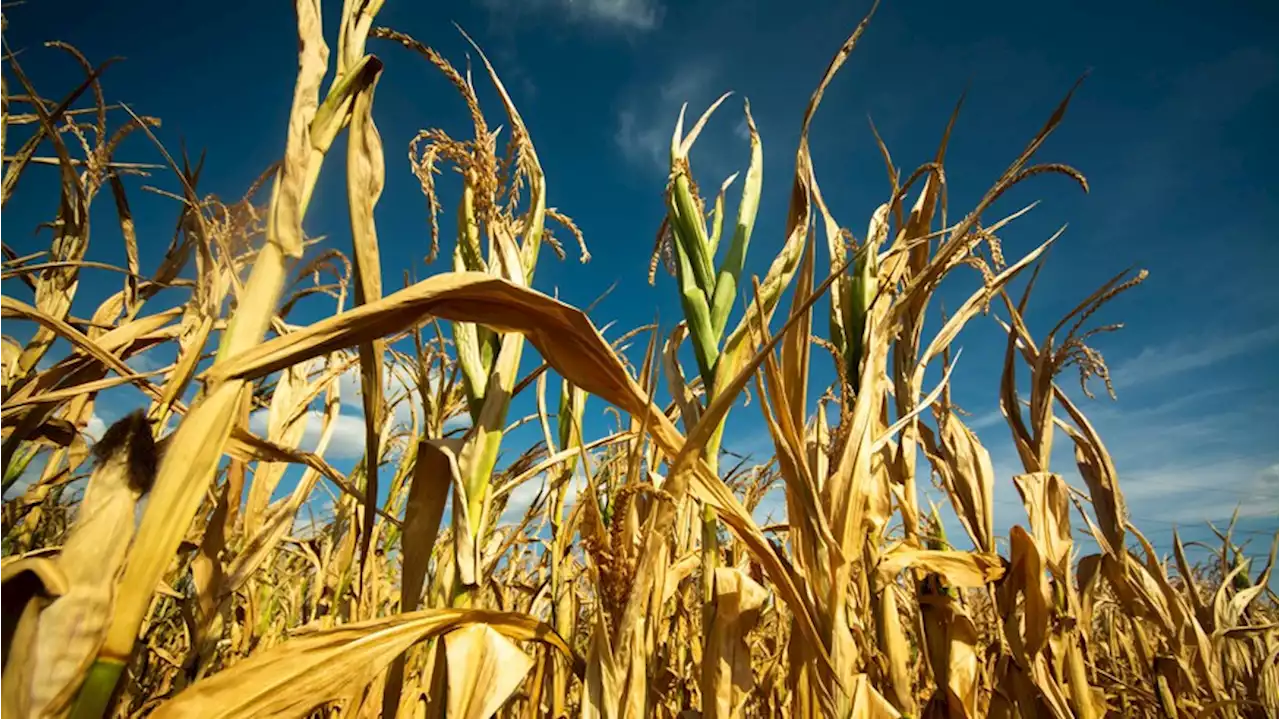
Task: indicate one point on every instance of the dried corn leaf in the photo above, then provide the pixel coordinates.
(485, 668)
(961, 569)
(727, 678)
(305, 673)
(1026, 576)
(602, 686)
(965, 674)
(967, 474)
(74, 625)
(867, 703)
(1046, 499)
(566, 339)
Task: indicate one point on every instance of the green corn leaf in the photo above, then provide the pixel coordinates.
(687, 220)
(717, 216)
(862, 291)
(467, 342)
(698, 314)
(690, 230)
(737, 350)
(839, 319)
(731, 268)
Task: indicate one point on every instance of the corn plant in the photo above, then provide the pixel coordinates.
(262, 580)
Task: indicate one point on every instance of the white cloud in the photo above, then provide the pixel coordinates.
(142, 363)
(1194, 492)
(984, 420)
(1179, 356)
(457, 421)
(394, 384)
(1177, 463)
(28, 477)
(617, 15)
(772, 507)
(642, 143)
(348, 439)
(95, 428)
(348, 434)
(647, 119)
(313, 516)
(521, 498)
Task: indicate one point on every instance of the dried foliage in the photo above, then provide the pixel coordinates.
(618, 594)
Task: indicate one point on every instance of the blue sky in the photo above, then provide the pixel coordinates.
(1174, 129)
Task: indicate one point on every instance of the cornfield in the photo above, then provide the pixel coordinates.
(164, 569)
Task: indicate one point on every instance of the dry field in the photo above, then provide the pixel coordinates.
(164, 569)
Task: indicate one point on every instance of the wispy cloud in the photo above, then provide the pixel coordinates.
(141, 363)
(772, 507)
(1185, 355)
(395, 386)
(984, 420)
(647, 118)
(348, 434)
(641, 142)
(618, 15)
(95, 428)
(1189, 492)
(1178, 462)
(348, 439)
(522, 497)
(313, 517)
